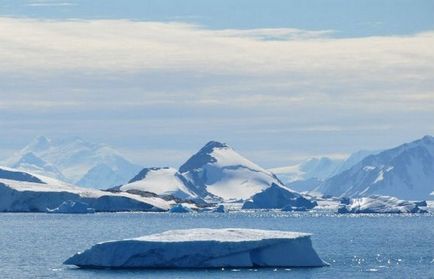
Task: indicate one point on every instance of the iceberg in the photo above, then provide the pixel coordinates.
(164, 182)
(179, 208)
(219, 209)
(380, 204)
(203, 248)
(277, 197)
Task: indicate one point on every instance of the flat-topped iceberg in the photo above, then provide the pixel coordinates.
(380, 204)
(203, 248)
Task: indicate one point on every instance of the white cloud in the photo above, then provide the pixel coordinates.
(301, 67)
(301, 92)
(122, 45)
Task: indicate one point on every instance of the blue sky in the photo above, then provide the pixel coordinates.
(348, 18)
(278, 80)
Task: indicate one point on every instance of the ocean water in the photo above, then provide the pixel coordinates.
(356, 246)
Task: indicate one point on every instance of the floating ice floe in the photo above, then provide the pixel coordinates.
(203, 248)
(380, 204)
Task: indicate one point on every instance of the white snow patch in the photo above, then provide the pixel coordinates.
(379, 178)
(162, 181)
(369, 168)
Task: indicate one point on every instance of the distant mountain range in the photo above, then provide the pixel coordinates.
(75, 161)
(318, 168)
(406, 171)
(218, 172)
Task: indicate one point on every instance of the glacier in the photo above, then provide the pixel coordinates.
(380, 204)
(203, 248)
(24, 192)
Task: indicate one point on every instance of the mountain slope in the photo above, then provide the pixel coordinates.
(320, 168)
(76, 161)
(406, 171)
(217, 170)
(160, 181)
(32, 163)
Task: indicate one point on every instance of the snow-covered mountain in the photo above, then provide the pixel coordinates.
(76, 161)
(353, 159)
(32, 163)
(406, 172)
(218, 170)
(320, 168)
(161, 181)
(27, 192)
(309, 174)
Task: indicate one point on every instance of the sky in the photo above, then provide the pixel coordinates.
(280, 81)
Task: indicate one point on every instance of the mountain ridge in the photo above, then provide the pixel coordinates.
(405, 171)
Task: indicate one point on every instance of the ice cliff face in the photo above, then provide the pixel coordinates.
(406, 172)
(218, 170)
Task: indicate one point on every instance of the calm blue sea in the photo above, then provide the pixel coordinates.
(356, 246)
